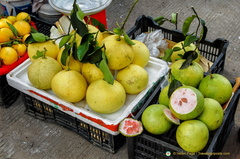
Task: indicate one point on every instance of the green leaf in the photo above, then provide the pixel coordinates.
(127, 39)
(118, 31)
(106, 71)
(203, 33)
(98, 24)
(13, 29)
(64, 40)
(189, 56)
(174, 18)
(187, 23)
(83, 48)
(33, 30)
(177, 49)
(167, 55)
(189, 39)
(173, 86)
(39, 37)
(65, 54)
(77, 20)
(95, 56)
(39, 54)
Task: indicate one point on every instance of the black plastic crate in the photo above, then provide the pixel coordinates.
(95, 136)
(152, 146)
(214, 51)
(8, 94)
(41, 25)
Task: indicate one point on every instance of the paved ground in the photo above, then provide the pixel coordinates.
(24, 137)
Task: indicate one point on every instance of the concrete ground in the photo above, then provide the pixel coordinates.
(24, 137)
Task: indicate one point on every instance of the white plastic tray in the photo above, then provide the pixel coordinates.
(18, 79)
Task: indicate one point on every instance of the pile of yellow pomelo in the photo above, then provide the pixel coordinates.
(12, 43)
(79, 81)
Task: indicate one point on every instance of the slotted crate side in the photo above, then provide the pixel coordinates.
(147, 145)
(8, 94)
(42, 111)
(214, 51)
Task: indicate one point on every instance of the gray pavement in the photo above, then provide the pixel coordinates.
(24, 137)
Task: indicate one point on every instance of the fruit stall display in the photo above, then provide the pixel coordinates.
(193, 121)
(13, 51)
(53, 88)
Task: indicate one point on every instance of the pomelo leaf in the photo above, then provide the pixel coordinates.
(167, 55)
(174, 18)
(105, 70)
(177, 49)
(39, 37)
(173, 86)
(76, 16)
(98, 24)
(189, 39)
(65, 54)
(13, 29)
(83, 48)
(187, 23)
(64, 40)
(127, 39)
(95, 56)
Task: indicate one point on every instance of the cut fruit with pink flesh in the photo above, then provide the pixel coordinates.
(170, 116)
(130, 127)
(186, 103)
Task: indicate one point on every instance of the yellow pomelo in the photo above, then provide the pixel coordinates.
(118, 52)
(141, 53)
(93, 29)
(134, 78)
(69, 85)
(71, 62)
(91, 72)
(103, 97)
(42, 70)
(191, 47)
(51, 47)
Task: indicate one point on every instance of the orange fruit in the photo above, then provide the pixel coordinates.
(8, 55)
(22, 27)
(5, 35)
(20, 48)
(12, 19)
(23, 16)
(25, 37)
(3, 23)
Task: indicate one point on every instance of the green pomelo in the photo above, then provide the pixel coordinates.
(175, 55)
(212, 114)
(130, 127)
(153, 119)
(190, 76)
(216, 86)
(106, 98)
(170, 117)
(186, 102)
(163, 96)
(42, 70)
(133, 78)
(192, 135)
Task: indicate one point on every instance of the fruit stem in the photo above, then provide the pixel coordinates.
(124, 22)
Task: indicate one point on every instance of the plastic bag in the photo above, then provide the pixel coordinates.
(154, 41)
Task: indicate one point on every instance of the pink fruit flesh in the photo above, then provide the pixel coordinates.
(184, 100)
(132, 127)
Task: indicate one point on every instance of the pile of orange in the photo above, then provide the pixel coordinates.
(12, 44)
